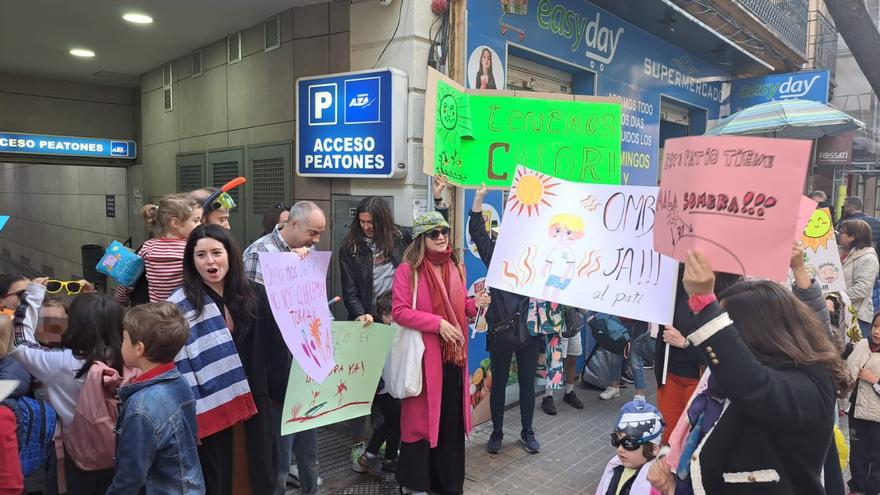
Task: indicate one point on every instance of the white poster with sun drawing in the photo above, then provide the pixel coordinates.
(821, 256)
(584, 245)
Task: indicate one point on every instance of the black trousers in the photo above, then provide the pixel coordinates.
(215, 456)
(441, 469)
(389, 431)
(526, 364)
(864, 456)
(81, 482)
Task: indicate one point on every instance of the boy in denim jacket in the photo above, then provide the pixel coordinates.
(156, 428)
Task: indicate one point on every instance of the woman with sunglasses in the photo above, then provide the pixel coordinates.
(94, 333)
(275, 214)
(434, 423)
(234, 357)
(779, 373)
(12, 287)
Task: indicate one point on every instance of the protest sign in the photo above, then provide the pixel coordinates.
(734, 198)
(348, 392)
(297, 294)
(477, 137)
(821, 256)
(583, 245)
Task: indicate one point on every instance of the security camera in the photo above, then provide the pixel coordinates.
(384, 3)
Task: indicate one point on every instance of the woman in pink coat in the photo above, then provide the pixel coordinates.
(433, 424)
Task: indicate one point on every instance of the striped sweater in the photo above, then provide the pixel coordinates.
(210, 363)
(163, 260)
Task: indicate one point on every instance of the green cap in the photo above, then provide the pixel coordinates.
(428, 222)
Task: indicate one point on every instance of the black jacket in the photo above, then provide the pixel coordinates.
(356, 271)
(778, 422)
(504, 304)
(682, 362)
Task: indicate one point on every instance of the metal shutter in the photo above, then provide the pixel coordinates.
(525, 75)
(269, 175)
(223, 166)
(190, 172)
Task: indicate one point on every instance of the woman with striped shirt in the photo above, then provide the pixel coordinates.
(171, 220)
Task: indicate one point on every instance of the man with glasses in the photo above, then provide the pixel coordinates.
(299, 234)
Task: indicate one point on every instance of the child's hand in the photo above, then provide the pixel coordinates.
(366, 319)
(797, 256)
(483, 299)
(87, 286)
(661, 478)
(40, 280)
(868, 376)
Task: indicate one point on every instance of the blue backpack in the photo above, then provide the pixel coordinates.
(609, 332)
(36, 432)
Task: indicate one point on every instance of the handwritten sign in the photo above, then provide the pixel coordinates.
(298, 296)
(734, 198)
(584, 245)
(476, 137)
(349, 389)
(821, 256)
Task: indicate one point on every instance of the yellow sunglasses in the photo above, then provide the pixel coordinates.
(55, 286)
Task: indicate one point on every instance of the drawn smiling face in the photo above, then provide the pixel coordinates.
(819, 225)
(448, 112)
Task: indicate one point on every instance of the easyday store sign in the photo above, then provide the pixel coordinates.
(351, 124)
(39, 144)
(807, 85)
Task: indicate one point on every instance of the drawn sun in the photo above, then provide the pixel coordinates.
(530, 190)
(818, 231)
(452, 116)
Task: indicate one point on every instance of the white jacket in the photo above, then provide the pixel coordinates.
(867, 400)
(640, 486)
(860, 270)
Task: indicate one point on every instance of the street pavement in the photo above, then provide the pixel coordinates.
(574, 451)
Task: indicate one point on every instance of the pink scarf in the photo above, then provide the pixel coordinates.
(447, 300)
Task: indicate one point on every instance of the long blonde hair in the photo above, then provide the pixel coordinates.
(5, 335)
(415, 257)
(158, 217)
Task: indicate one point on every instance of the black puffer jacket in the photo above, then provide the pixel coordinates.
(504, 304)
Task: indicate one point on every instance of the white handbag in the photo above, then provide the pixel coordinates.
(403, 366)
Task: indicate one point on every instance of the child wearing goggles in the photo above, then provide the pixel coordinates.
(636, 436)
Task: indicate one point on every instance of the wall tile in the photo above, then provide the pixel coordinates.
(311, 20)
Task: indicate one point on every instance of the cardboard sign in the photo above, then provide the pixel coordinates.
(821, 255)
(584, 245)
(734, 198)
(476, 137)
(349, 389)
(297, 293)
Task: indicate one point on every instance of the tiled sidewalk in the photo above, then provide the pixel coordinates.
(574, 451)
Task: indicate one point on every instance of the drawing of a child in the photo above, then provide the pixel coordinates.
(565, 229)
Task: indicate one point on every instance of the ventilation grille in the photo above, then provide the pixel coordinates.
(268, 183)
(25, 261)
(233, 48)
(225, 172)
(6, 253)
(167, 78)
(197, 63)
(48, 271)
(272, 34)
(167, 99)
(189, 177)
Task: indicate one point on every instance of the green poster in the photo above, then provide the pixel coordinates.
(349, 389)
(481, 136)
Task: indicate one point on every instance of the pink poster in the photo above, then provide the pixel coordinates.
(736, 199)
(297, 292)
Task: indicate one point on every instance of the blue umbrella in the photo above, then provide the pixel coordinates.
(795, 119)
